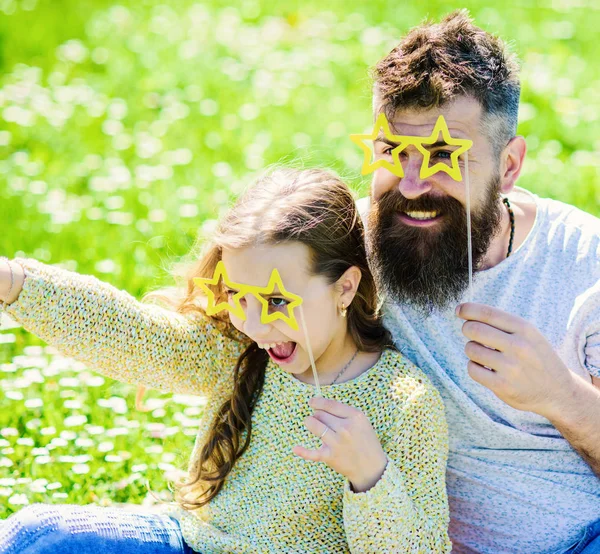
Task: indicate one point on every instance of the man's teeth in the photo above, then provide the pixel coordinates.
(269, 345)
(422, 215)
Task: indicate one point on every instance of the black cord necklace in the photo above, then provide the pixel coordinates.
(511, 215)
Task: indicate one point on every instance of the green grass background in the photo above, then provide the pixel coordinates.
(125, 129)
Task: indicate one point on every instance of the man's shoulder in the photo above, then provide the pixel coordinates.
(363, 205)
(564, 226)
(560, 213)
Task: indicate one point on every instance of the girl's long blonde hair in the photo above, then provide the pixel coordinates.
(315, 208)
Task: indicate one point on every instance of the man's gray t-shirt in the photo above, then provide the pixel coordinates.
(515, 485)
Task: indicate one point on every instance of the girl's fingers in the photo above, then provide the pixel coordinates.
(334, 407)
(310, 455)
(318, 428)
(331, 421)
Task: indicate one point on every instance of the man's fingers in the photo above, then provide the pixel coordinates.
(483, 376)
(488, 335)
(492, 316)
(484, 356)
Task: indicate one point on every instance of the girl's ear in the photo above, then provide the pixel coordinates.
(348, 285)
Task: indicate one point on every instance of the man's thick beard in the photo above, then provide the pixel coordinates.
(428, 267)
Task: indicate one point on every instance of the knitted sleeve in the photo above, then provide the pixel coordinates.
(407, 509)
(113, 333)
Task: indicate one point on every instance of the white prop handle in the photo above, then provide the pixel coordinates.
(469, 246)
(310, 352)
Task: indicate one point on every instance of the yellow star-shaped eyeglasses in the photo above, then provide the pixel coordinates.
(236, 309)
(402, 141)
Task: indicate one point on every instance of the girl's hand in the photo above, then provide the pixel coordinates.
(350, 445)
(18, 278)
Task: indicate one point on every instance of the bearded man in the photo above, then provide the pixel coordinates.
(519, 367)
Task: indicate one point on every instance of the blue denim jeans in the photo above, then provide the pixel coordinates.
(91, 529)
(590, 541)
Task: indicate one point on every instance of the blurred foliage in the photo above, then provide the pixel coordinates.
(125, 129)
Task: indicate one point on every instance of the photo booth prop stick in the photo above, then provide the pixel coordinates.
(469, 245)
(400, 142)
(310, 352)
(274, 287)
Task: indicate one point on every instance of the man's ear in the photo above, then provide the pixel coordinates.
(511, 163)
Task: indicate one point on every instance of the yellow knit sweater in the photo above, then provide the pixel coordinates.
(272, 501)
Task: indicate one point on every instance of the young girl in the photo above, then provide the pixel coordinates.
(276, 467)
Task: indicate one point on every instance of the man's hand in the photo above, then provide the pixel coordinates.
(524, 371)
(527, 374)
(350, 445)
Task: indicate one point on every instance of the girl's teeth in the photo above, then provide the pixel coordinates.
(422, 215)
(268, 346)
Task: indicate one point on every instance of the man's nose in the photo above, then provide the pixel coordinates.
(411, 185)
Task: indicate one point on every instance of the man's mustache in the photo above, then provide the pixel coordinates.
(395, 201)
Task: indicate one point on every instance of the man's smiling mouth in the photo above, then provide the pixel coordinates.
(422, 216)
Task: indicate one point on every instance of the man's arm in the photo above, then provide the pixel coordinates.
(576, 418)
(514, 360)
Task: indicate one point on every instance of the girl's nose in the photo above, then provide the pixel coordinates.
(253, 326)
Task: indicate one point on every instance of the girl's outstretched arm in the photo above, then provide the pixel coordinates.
(113, 333)
(407, 509)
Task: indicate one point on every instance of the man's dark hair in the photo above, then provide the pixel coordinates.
(437, 62)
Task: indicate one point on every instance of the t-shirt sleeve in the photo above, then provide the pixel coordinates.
(111, 332)
(584, 325)
(592, 354)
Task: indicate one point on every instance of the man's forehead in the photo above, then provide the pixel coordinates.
(462, 117)
(423, 127)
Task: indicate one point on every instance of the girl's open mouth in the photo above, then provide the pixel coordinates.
(283, 353)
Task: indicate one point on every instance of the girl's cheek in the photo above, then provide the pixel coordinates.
(237, 323)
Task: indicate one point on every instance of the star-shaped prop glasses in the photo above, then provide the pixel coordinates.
(402, 141)
(274, 288)
(262, 294)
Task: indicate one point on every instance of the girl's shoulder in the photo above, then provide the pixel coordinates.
(401, 401)
(406, 380)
